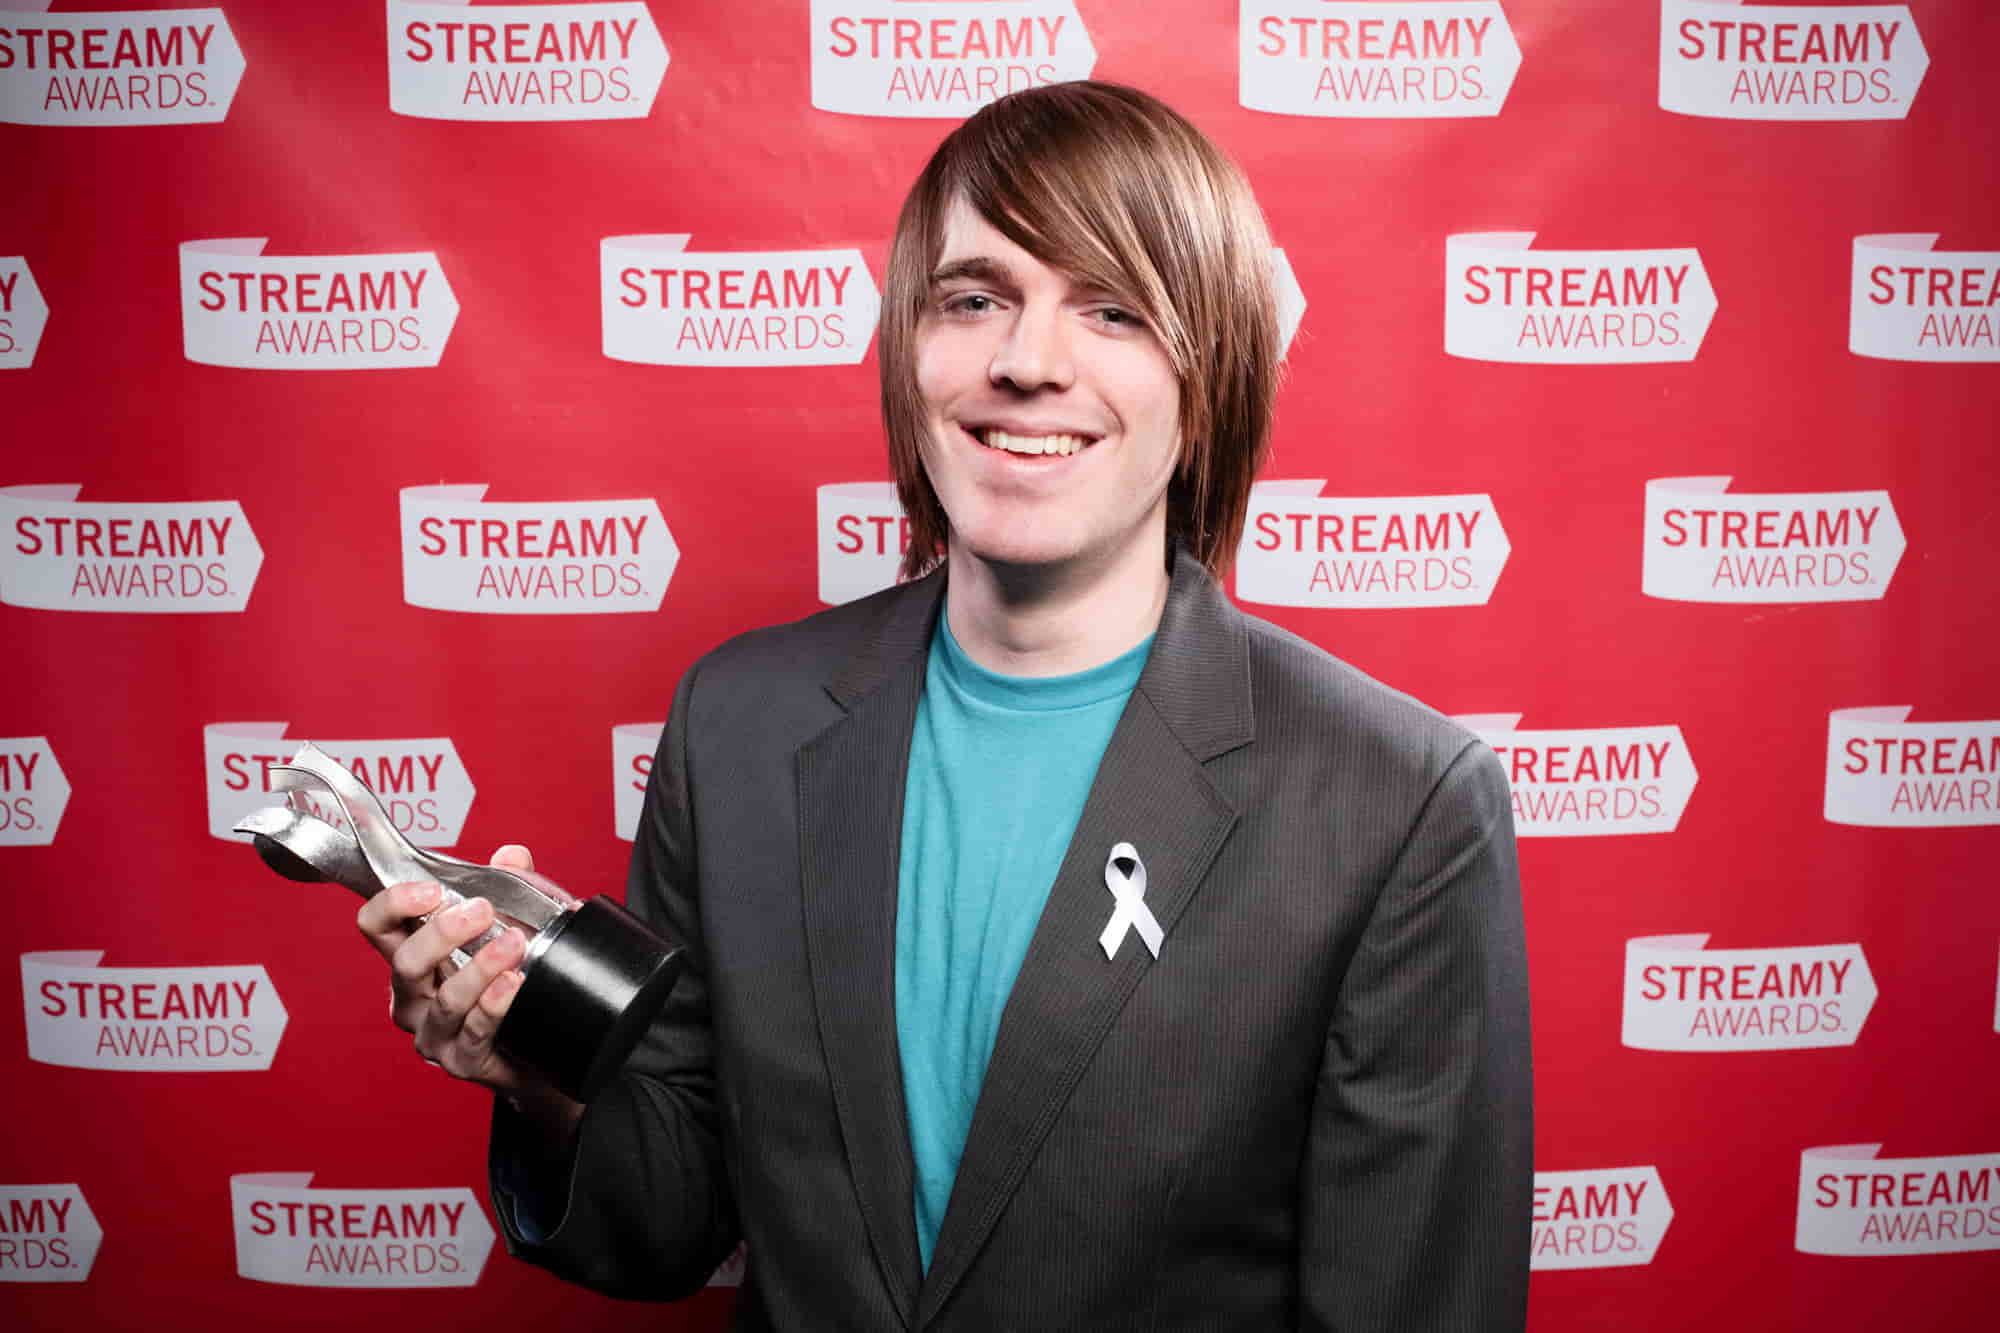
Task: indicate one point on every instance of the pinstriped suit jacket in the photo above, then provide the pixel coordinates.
(1312, 1110)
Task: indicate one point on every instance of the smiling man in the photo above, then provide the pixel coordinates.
(1070, 949)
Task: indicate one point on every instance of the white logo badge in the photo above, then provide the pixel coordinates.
(523, 62)
(1852, 1202)
(1590, 781)
(1301, 548)
(62, 554)
(943, 60)
(666, 305)
(1290, 296)
(1907, 302)
(241, 307)
(633, 745)
(1789, 62)
(1505, 302)
(303, 1237)
(1680, 996)
(47, 1234)
(462, 552)
(1436, 58)
(33, 792)
(863, 533)
(23, 313)
(180, 1018)
(1612, 1217)
(1886, 772)
(1703, 544)
(152, 67)
(730, 1272)
(423, 786)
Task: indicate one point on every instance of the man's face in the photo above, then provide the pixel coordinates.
(1053, 412)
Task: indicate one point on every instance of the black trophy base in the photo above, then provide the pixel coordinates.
(603, 976)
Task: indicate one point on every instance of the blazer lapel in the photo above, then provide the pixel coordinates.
(1192, 703)
(851, 779)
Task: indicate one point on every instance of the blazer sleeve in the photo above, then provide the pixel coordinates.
(1417, 1180)
(641, 1206)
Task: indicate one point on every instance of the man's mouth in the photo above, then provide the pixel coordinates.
(1009, 442)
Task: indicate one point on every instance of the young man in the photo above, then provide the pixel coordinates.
(1071, 950)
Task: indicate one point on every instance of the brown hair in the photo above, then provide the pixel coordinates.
(1118, 190)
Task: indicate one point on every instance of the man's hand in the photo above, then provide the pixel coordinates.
(454, 1017)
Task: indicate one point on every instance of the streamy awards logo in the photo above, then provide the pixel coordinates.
(1290, 296)
(33, 792)
(63, 554)
(47, 1234)
(1611, 1217)
(941, 59)
(422, 783)
(23, 314)
(1884, 771)
(1852, 1202)
(1301, 548)
(150, 67)
(1908, 302)
(863, 533)
(1389, 58)
(462, 552)
(1506, 302)
(1704, 544)
(524, 62)
(633, 745)
(666, 305)
(1789, 62)
(243, 308)
(1591, 781)
(290, 1233)
(84, 1016)
(1682, 996)
(731, 1271)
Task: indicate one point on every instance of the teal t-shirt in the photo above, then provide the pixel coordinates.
(999, 770)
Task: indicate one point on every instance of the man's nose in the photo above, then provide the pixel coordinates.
(1036, 352)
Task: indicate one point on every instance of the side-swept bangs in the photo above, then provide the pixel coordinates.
(1120, 192)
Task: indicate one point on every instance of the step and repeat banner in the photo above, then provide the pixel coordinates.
(436, 381)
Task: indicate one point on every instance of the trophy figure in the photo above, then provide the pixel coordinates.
(594, 976)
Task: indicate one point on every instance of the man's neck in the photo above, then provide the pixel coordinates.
(1043, 621)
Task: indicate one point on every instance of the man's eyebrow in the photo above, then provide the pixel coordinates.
(981, 268)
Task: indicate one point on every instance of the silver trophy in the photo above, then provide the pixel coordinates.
(594, 976)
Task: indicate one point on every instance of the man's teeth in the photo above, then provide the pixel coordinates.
(1033, 444)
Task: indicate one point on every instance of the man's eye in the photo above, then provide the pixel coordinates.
(1118, 317)
(968, 303)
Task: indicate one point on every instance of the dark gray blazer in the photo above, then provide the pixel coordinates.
(1310, 1111)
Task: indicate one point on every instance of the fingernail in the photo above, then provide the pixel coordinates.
(423, 897)
(471, 912)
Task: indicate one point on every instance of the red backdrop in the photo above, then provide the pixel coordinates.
(467, 278)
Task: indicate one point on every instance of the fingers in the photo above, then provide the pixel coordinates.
(414, 964)
(513, 856)
(454, 1019)
(385, 918)
(458, 1026)
(482, 1025)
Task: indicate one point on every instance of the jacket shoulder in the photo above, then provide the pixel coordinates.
(815, 652)
(1304, 696)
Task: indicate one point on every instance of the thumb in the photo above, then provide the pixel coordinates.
(513, 856)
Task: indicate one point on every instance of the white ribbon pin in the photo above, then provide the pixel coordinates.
(1131, 912)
